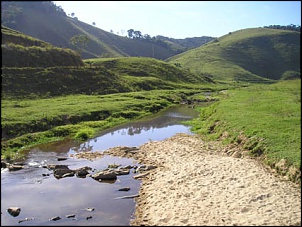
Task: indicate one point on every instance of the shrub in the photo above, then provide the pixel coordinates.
(84, 134)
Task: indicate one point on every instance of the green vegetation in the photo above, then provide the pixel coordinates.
(19, 50)
(254, 55)
(264, 119)
(51, 94)
(28, 122)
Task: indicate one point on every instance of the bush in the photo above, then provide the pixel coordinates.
(84, 134)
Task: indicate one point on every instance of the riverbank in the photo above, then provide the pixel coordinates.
(202, 183)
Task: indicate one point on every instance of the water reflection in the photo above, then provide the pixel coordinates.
(39, 194)
(163, 126)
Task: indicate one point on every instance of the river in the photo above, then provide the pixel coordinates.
(83, 201)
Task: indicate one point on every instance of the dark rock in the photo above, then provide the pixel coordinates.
(124, 189)
(104, 175)
(14, 211)
(3, 164)
(61, 158)
(60, 173)
(82, 172)
(55, 166)
(55, 218)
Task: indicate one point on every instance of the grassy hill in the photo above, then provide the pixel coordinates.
(48, 22)
(248, 55)
(19, 50)
(34, 68)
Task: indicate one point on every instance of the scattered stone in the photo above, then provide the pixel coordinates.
(124, 189)
(26, 219)
(113, 166)
(14, 167)
(144, 168)
(55, 166)
(82, 172)
(90, 209)
(60, 173)
(104, 175)
(121, 172)
(14, 211)
(62, 158)
(70, 216)
(89, 217)
(140, 175)
(55, 218)
(88, 155)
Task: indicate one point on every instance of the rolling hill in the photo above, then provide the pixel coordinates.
(48, 22)
(34, 68)
(248, 55)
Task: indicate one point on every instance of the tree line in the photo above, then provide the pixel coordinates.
(133, 34)
(285, 27)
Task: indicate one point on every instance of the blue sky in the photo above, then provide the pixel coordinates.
(183, 19)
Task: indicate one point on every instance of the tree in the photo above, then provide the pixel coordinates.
(72, 14)
(130, 33)
(147, 37)
(79, 42)
(137, 34)
(93, 23)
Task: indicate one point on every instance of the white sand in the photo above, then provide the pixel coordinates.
(195, 184)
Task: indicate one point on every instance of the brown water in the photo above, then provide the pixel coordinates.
(41, 196)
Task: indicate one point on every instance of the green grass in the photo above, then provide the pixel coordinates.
(28, 122)
(268, 116)
(254, 55)
(147, 67)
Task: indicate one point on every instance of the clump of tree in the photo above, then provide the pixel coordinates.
(79, 42)
(137, 35)
(285, 27)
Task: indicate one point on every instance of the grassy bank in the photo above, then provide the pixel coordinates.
(264, 119)
(28, 122)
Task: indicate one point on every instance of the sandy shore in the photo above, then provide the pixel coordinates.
(196, 183)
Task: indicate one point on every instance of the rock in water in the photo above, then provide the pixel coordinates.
(14, 211)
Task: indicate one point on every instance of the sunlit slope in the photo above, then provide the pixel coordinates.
(144, 69)
(249, 55)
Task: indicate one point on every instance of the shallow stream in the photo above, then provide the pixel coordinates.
(41, 196)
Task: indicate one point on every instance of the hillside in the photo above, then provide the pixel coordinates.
(34, 68)
(248, 55)
(48, 22)
(19, 50)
